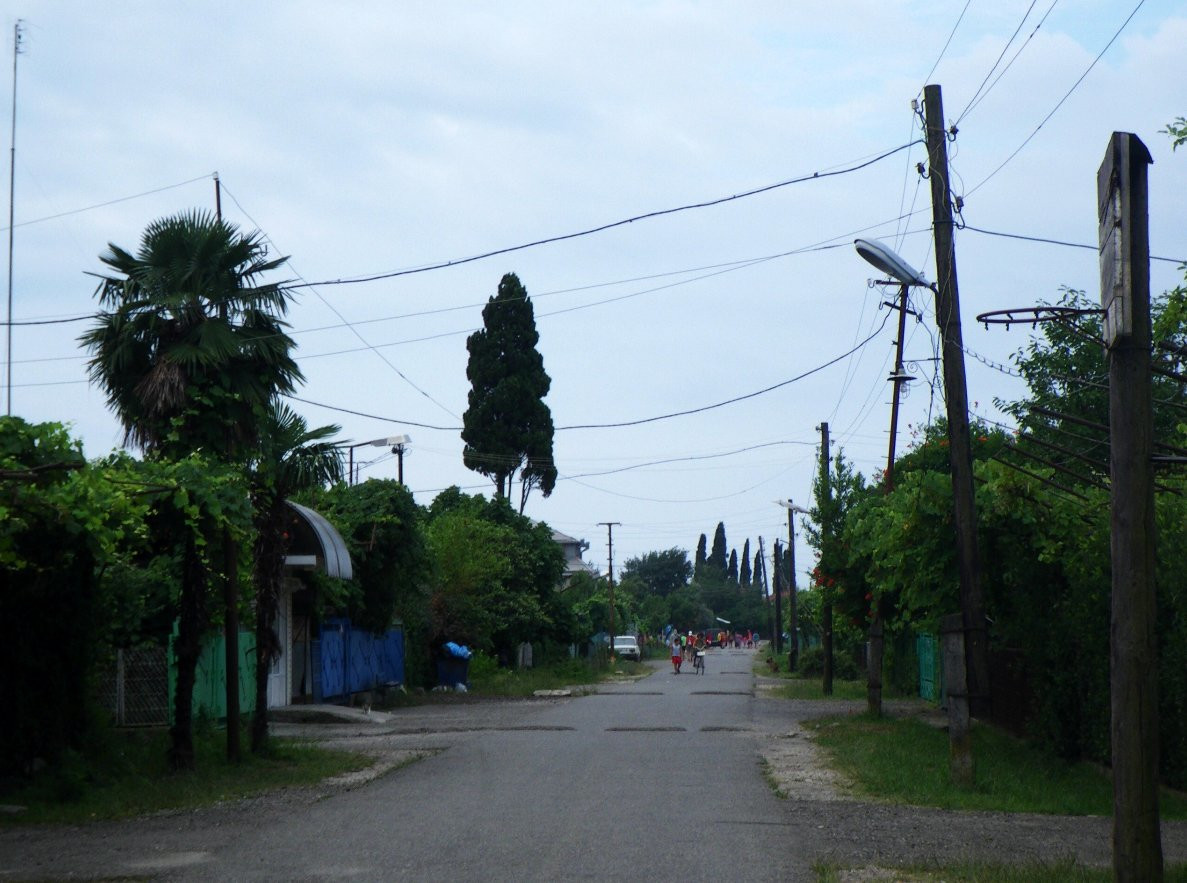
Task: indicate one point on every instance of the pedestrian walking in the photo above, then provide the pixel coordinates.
(677, 655)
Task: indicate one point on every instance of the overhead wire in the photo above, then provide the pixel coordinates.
(1061, 101)
(975, 100)
(947, 43)
(620, 424)
(441, 265)
(338, 313)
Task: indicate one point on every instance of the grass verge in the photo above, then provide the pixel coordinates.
(812, 688)
(487, 679)
(978, 872)
(905, 760)
(129, 777)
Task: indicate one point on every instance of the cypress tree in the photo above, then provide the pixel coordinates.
(732, 571)
(699, 565)
(507, 428)
(717, 561)
(744, 574)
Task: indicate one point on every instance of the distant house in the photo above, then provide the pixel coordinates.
(573, 563)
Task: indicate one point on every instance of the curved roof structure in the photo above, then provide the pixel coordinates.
(315, 541)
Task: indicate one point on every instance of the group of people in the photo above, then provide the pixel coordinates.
(685, 646)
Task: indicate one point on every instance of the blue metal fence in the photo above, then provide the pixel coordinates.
(348, 660)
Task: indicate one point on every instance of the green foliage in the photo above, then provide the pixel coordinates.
(716, 563)
(660, 572)
(1178, 132)
(381, 525)
(811, 664)
(496, 575)
(506, 426)
(189, 348)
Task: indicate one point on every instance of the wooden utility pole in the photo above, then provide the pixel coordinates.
(877, 626)
(610, 525)
(826, 609)
(777, 558)
(1122, 193)
(960, 453)
(793, 655)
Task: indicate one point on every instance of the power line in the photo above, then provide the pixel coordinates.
(1061, 101)
(975, 100)
(736, 399)
(947, 43)
(1061, 242)
(750, 395)
(353, 330)
(610, 226)
(88, 208)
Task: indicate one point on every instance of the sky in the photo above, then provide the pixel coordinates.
(407, 140)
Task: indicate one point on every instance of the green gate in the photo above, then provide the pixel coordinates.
(927, 649)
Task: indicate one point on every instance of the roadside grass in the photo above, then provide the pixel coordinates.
(981, 872)
(904, 760)
(127, 775)
(794, 687)
(487, 679)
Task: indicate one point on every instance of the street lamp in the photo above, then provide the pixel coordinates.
(396, 442)
(793, 625)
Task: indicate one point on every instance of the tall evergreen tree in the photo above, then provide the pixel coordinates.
(732, 571)
(744, 573)
(699, 564)
(717, 557)
(507, 428)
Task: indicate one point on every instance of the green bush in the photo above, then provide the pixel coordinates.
(811, 664)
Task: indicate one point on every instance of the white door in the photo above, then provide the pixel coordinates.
(278, 687)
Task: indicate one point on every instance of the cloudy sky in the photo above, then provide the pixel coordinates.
(375, 138)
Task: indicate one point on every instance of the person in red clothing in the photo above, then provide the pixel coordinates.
(677, 654)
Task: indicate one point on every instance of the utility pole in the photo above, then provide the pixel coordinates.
(777, 558)
(218, 197)
(1122, 202)
(826, 608)
(956, 397)
(610, 525)
(762, 559)
(793, 628)
(398, 449)
(877, 626)
(16, 51)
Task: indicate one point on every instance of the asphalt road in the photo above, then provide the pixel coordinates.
(655, 779)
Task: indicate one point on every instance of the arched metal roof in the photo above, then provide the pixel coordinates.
(313, 535)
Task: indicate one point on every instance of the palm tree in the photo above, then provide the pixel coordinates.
(290, 458)
(189, 349)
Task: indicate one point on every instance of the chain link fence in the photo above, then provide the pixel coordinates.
(135, 687)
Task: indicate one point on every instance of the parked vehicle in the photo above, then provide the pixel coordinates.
(627, 647)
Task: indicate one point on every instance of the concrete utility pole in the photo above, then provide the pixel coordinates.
(826, 609)
(610, 525)
(1122, 204)
(960, 454)
(793, 655)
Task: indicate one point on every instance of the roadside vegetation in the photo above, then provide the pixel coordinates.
(127, 774)
(905, 760)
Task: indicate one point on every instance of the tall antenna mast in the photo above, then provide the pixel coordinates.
(16, 50)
